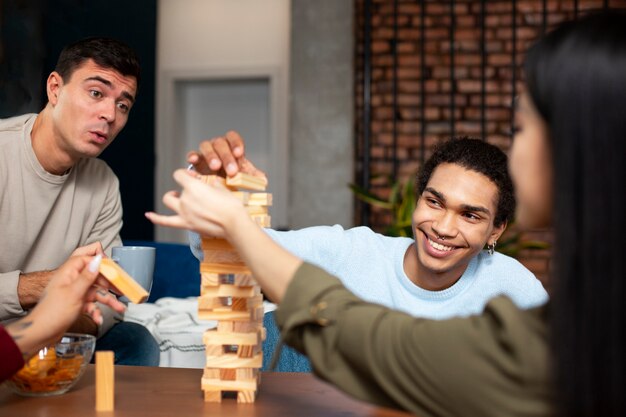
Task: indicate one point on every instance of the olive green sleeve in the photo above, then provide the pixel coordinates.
(492, 364)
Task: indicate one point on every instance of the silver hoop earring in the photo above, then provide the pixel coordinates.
(491, 248)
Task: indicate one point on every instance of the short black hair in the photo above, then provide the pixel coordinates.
(475, 155)
(105, 52)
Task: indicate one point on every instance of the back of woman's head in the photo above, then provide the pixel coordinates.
(576, 78)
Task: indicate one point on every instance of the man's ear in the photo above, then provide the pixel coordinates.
(53, 86)
(497, 232)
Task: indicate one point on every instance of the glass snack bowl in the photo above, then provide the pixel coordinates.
(55, 368)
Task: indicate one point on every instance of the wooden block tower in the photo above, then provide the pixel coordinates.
(230, 295)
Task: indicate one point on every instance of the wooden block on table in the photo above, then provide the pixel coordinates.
(259, 199)
(212, 279)
(218, 384)
(122, 281)
(220, 268)
(247, 182)
(246, 397)
(105, 381)
(234, 373)
(213, 396)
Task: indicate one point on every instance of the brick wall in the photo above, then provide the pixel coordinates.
(504, 49)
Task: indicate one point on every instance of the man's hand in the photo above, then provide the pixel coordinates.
(223, 154)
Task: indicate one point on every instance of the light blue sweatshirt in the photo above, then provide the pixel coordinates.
(371, 266)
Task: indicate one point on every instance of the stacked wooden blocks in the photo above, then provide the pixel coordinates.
(230, 295)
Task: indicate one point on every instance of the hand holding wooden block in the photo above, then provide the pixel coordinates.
(122, 281)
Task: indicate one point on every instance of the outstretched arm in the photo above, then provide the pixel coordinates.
(211, 210)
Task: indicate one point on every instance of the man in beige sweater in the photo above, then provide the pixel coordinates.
(57, 198)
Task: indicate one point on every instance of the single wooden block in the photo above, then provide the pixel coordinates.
(224, 326)
(244, 196)
(218, 268)
(259, 199)
(246, 373)
(246, 397)
(122, 281)
(245, 351)
(214, 350)
(222, 257)
(232, 360)
(256, 210)
(210, 243)
(213, 279)
(105, 381)
(263, 220)
(249, 326)
(213, 337)
(247, 182)
(228, 374)
(211, 373)
(211, 303)
(224, 314)
(245, 304)
(212, 179)
(208, 279)
(213, 396)
(218, 384)
(229, 290)
(244, 280)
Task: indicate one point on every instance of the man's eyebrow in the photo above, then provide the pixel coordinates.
(435, 193)
(465, 207)
(479, 209)
(110, 85)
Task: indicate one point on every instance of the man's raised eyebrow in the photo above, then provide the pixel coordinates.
(109, 84)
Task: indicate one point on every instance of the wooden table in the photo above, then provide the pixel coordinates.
(175, 392)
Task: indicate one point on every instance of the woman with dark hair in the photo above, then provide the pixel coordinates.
(565, 358)
(574, 109)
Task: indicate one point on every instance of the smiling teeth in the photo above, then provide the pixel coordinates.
(439, 246)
